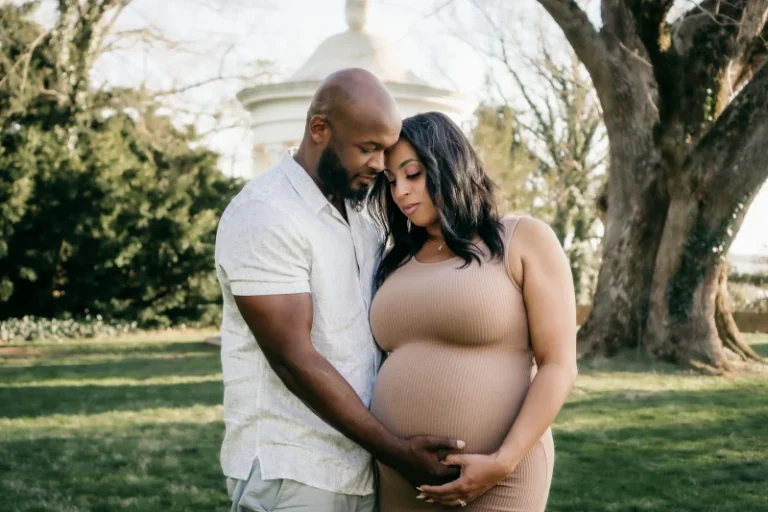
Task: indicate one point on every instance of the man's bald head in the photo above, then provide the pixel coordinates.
(354, 95)
(351, 122)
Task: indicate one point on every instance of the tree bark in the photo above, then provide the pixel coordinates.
(726, 325)
(620, 305)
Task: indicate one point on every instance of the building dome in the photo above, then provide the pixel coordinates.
(353, 49)
(278, 110)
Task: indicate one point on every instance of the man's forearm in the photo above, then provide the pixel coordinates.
(310, 377)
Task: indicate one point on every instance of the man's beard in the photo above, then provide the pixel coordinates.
(335, 178)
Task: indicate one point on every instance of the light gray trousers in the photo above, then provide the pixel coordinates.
(257, 495)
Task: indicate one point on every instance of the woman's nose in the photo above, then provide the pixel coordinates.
(401, 189)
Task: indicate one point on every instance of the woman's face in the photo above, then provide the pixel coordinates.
(408, 184)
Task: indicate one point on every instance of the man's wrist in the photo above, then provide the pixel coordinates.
(389, 450)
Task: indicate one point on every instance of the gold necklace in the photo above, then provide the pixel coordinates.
(439, 247)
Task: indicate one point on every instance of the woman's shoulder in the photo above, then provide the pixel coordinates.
(528, 239)
(527, 231)
(512, 221)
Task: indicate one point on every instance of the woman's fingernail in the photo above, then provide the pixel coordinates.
(419, 489)
(420, 497)
(429, 501)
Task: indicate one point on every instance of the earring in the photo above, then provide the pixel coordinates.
(409, 225)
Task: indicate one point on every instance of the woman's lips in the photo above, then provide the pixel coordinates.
(409, 209)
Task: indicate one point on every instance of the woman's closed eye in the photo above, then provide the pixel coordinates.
(408, 176)
(412, 171)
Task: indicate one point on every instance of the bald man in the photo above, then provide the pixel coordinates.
(295, 257)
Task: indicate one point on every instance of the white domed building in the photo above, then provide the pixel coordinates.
(278, 110)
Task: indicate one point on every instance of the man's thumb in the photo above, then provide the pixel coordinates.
(440, 443)
(455, 444)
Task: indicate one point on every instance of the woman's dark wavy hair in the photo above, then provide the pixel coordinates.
(461, 191)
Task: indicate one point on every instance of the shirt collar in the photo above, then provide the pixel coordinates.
(303, 183)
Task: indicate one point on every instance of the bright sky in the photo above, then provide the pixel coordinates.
(232, 35)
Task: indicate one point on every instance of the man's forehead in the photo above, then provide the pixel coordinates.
(375, 126)
(372, 115)
(381, 136)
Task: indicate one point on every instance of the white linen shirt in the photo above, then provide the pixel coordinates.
(280, 235)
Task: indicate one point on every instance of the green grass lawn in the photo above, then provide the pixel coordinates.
(135, 424)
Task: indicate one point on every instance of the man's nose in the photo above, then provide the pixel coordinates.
(377, 161)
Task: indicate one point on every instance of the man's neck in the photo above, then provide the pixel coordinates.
(309, 165)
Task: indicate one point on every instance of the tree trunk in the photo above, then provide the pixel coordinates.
(620, 305)
(681, 321)
(666, 287)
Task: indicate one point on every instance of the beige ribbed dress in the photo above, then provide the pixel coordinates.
(459, 365)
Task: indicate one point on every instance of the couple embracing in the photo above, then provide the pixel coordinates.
(389, 341)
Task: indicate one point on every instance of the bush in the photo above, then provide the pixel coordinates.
(126, 229)
(759, 280)
(759, 305)
(30, 328)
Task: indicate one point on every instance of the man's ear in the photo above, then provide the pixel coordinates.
(319, 129)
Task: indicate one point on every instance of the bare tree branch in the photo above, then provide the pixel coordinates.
(752, 24)
(109, 25)
(584, 38)
(545, 129)
(200, 83)
(755, 49)
(26, 59)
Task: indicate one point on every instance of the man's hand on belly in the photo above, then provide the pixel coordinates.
(420, 460)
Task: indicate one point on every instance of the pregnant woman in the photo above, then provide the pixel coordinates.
(467, 306)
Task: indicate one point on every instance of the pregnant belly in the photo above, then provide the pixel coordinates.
(467, 393)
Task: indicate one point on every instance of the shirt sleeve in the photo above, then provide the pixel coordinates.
(262, 252)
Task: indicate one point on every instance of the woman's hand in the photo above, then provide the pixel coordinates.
(478, 474)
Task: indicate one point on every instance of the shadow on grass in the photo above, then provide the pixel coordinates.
(628, 361)
(137, 361)
(139, 461)
(33, 402)
(157, 467)
(746, 396)
(639, 361)
(672, 451)
(135, 367)
(124, 348)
